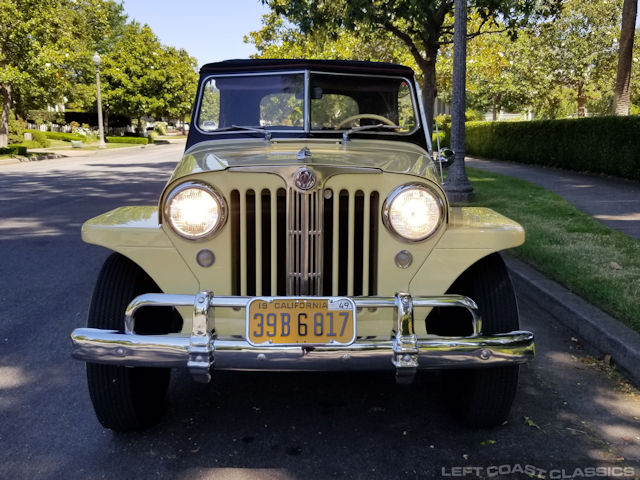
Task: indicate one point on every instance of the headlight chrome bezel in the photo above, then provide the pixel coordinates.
(222, 204)
(395, 193)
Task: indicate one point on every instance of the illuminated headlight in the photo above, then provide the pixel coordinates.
(195, 210)
(413, 212)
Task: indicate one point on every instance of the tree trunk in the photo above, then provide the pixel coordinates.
(621, 98)
(5, 91)
(429, 88)
(582, 100)
(457, 185)
(496, 101)
(140, 129)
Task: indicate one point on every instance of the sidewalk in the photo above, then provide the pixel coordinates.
(616, 203)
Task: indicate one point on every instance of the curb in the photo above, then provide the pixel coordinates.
(598, 329)
(32, 158)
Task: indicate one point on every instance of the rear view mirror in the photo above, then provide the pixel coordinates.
(446, 156)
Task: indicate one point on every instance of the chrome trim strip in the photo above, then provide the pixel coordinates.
(307, 102)
(110, 347)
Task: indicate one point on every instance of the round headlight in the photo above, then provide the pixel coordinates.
(413, 212)
(195, 210)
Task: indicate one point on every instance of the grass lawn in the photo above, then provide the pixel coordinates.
(568, 245)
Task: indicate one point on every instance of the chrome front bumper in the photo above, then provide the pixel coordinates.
(203, 349)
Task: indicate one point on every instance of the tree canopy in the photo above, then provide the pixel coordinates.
(42, 45)
(143, 78)
(423, 26)
(554, 64)
(46, 50)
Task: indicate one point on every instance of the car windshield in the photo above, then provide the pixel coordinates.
(335, 102)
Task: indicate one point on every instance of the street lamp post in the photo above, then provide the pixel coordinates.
(96, 61)
(457, 185)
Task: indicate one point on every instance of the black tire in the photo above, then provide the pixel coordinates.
(123, 398)
(482, 397)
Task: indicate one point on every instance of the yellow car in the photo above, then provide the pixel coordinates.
(305, 228)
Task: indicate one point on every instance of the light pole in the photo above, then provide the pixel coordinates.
(457, 185)
(96, 62)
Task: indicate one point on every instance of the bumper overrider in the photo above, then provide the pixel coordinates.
(204, 349)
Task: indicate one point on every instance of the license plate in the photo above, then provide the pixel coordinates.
(299, 321)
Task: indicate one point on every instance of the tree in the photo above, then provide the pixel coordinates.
(625, 57)
(422, 25)
(578, 49)
(143, 78)
(180, 83)
(40, 44)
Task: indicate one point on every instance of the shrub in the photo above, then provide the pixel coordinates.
(152, 136)
(41, 139)
(160, 128)
(13, 150)
(67, 137)
(30, 144)
(136, 140)
(15, 129)
(606, 145)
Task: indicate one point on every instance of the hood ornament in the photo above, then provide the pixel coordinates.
(305, 179)
(304, 154)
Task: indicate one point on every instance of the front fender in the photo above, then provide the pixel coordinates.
(472, 233)
(135, 233)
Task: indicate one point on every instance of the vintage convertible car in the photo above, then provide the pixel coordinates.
(305, 228)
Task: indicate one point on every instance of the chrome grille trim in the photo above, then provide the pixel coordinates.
(304, 242)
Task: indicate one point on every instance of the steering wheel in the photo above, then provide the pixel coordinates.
(371, 116)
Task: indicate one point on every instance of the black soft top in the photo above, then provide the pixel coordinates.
(343, 66)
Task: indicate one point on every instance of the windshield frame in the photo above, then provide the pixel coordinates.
(306, 128)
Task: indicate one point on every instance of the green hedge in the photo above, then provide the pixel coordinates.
(607, 145)
(137, 140)
(13, 150)
(67, 137)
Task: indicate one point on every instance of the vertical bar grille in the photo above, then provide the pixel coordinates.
(292, 243)
(258, 249)
(350, 242)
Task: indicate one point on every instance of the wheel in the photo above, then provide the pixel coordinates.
(481, 397)
(371, 116)
(123, 398)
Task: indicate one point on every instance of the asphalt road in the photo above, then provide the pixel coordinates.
(570, 417)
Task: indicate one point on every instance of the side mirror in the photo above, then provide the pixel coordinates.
(446, 156)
